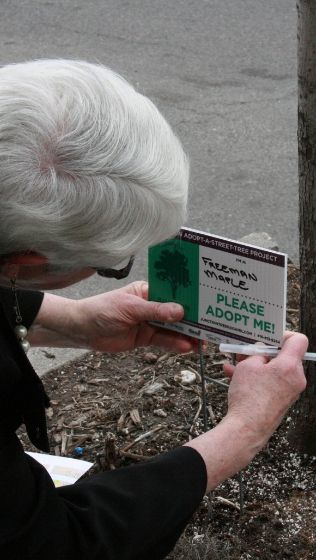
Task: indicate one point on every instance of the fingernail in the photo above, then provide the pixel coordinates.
(175, 310)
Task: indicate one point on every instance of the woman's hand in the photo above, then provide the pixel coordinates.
(259, 395)
(118, 321)
(261, 391)
(111, 322)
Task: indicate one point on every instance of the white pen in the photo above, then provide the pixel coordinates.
(255, 350)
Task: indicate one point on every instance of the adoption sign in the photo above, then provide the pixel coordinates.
(230, 291)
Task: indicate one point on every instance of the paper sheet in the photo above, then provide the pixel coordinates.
(63, 470)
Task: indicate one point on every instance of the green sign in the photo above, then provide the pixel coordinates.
(229, 290)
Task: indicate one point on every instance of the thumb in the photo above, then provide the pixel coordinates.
(294, 345)
(155, 311)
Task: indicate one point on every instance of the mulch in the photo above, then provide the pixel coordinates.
(115, 410)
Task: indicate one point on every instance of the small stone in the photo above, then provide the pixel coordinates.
(160, 412)
(186, 377)
(150, 358)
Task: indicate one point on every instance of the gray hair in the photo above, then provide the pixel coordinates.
(90, 171)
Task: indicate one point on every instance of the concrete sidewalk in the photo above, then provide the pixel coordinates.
(224, 74)
(47, 359)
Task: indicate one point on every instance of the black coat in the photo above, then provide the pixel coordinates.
(132, 513)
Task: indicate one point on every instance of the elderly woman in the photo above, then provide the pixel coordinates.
(90, 173)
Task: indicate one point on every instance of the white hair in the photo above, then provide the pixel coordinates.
(90, 171)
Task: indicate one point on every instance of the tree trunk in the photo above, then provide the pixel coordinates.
(304, 431)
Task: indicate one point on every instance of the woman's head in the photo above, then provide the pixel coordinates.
(90, 172)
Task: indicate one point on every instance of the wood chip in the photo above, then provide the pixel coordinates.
(60, 422)
(163, 358)
(57, 437)
(64, 439)
(121, 422)
(153, 388)
(135, 417)
(110, 452)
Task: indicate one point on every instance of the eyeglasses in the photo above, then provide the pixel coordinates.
(36, 258)
(117, 274)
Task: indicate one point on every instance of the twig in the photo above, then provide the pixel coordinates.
(143, 436)
(241, 493)
(227, 502)
(197, 414)
(216, 382)
(211, 414)
(135, 456)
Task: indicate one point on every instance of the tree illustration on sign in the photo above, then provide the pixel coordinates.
(172, 267)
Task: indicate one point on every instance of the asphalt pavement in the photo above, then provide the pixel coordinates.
(223, 72)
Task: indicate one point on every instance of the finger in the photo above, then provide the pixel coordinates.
(138, 288)
(294, 345)
(229, 369)
(241, 357)
(154, 311)
(250, 363)
(286, 334)
(144, 289)
(173, 341)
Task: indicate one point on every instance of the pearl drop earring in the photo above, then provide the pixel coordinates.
(20, 330)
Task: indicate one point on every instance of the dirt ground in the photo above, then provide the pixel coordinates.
(125, 408)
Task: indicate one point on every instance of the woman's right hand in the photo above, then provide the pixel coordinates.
(261, 391)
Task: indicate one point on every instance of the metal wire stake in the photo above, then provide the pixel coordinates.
(241, 492)
(239, 475)
(203, 385)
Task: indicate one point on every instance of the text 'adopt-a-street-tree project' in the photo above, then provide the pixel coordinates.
(230, 291)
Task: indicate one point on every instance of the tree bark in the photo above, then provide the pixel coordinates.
(304, 431)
